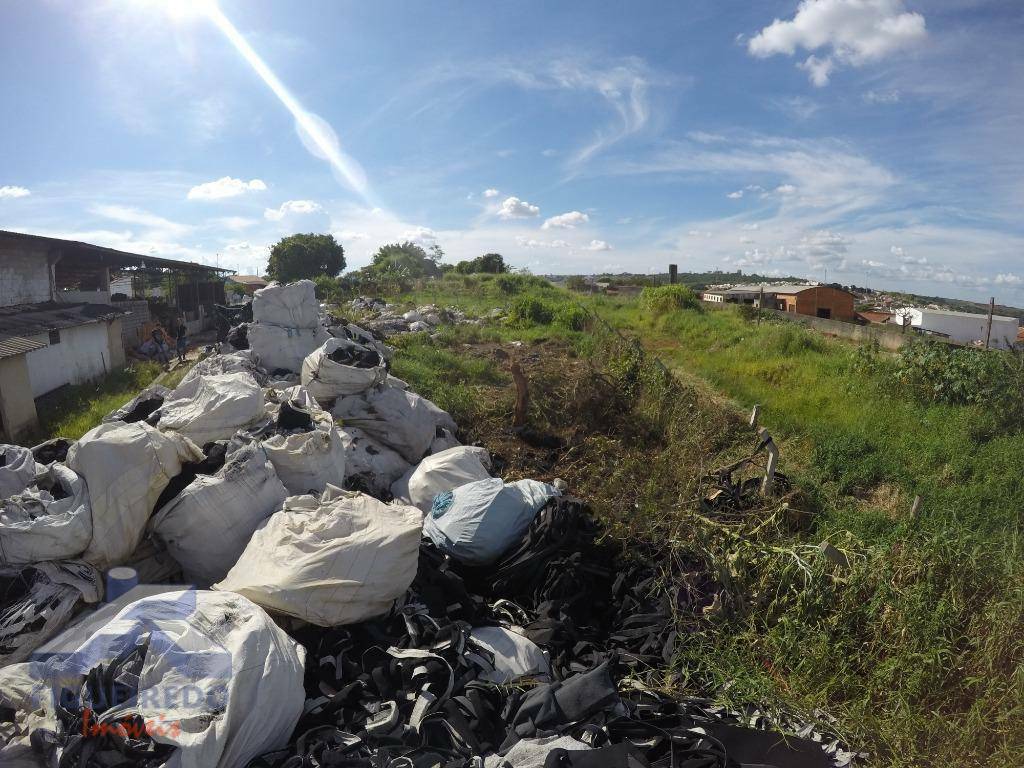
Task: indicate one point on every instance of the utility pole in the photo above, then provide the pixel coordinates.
(760, 304)
(673, 271)
(988, 325)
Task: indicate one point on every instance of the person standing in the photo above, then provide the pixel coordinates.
(181, 336)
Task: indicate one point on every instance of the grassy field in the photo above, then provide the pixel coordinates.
(72, 411)
(913, 638)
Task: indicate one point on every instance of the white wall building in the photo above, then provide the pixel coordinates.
(962, 327)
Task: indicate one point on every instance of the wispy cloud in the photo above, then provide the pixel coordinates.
(568, 220)
(288, 207)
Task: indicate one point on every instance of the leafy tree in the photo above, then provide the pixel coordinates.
(328, 289)
(489, 263)
(405, 261)
(299, 257)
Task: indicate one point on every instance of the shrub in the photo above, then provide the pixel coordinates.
(850, 460)
(531, 310)
(668, 298)
(510, 284)
(572, 317)
(791, 339)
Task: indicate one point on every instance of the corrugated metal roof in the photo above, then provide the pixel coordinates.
(249, 279)
(32, 319)
(12, 346)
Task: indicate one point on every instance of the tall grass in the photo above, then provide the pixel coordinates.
(914, 642)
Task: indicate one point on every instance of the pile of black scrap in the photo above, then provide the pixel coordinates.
(416, 688)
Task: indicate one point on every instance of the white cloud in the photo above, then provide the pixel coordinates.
(492, 192)
(549, 152)
(819, 70)
(234, 223)
(129, 215)
(881, 97)
(529, 242)
(751, 227)
(348, 234)
(514, 208)
(597, 245)
(848, 32)
(1008, 278)
(10, 191)
(704, 137)
(566, 220)
(785, 189)
(421, 235)
(292, 206)
(226, 186)
(735, 195)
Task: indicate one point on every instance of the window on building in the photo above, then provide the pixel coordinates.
(55, 337)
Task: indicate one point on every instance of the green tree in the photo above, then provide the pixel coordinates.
(405, 261)
(299, 257)
(490, 263)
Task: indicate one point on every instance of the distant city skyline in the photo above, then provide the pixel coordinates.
(873, 142)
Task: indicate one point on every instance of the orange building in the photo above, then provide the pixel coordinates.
(815, 300)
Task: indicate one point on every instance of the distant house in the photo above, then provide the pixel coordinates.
(962, 327)
(814, 300)
(58, 324)
(249, 284)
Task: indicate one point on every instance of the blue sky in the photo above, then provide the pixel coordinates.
(872, 141)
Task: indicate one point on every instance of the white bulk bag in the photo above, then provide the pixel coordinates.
(52, 592)
(369, 465)
(307, 461)
(220, 681)
(278, 347)
(291, 306)
(208, 525)
(213, 407)
(331, 560)
(34, 526)
(477, 522)
(443, 441)
(327, 380)
(441, 472)
(17, 468)
(236, 361)
(155, 395)
(126, 467)
(395, 417)
(508, 656)
(363, 336)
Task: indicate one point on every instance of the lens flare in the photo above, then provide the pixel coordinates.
(315, 133)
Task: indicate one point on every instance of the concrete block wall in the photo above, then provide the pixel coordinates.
(131, 325)
(25, 276)
(17, 408)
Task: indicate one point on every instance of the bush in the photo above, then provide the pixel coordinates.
(668, 298)
(939, 373)
(792, 339)
(328, 289)
(531, 310)
(850, 460)
(572, 317)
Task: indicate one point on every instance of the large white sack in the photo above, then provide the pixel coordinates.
(395, 417)
(478, 522)
(220, 681)
(126, 467)
(327, 380)
(207, 526)
(36, 526)
(291, 306)
(508, 656)
(336, 559)
(307, 460)
(236, 361)
(43, 598)
(443, 441)
(19, 689)
(213, 407)
(141, 406)
(277, 347)
(441, 472)
(17, 468)
(363, 336)
(370, 466)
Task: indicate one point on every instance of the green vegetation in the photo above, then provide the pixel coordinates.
(912, 635)
(72, 411)
(668, 298)
(299, 257)
(489, 263)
